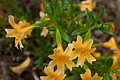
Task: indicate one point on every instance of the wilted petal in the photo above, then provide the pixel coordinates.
(44, 32)
(19, 68)
(42, 14)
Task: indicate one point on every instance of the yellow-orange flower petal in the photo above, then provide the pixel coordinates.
(52, 75)
(44, 32)
(87, 76)
(111, 44)
(87, 4)
(19, 31)
(115, 64)
(43, 15)
(60, 58)
(42, 6)
(22, 66)
(96, 54)
(82, 51)
(112, 28)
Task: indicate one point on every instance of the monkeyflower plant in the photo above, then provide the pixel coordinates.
(74, 50)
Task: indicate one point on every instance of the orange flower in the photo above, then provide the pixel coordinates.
(87, 76)
(60, 58)
(112, 28)
(115, 64)
(82, 51)
(20, 31)
(111, 44)
(87, 4)
(52, 75)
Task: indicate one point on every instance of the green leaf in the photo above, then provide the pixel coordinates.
(79, 31)
(89, 22)
(81, 15)
(116, 71)
(106, 77)
(42, 24)
(106, 30)
(91, 15)
(109, 62)
(60, 11)
(99, 26)
(65, 36)
(58, 37)
(100, 13)
(87, 35)
(73, 77)
(49, 9)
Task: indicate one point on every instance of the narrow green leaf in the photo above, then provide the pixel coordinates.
(100, 13)
(49, 9)
(116, 71)
(87, 36)
(109, 62)
(91, 15)
(42, 24)
(81, 15)
(99, 26)
(60, 11)
(79, 31)
(106, 77)
(106, 30)
(73, 77)
(65, 36)
(58, 37)
(89, 22)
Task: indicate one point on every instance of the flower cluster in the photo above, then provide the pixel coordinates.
(62, 58)
(80, 53)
